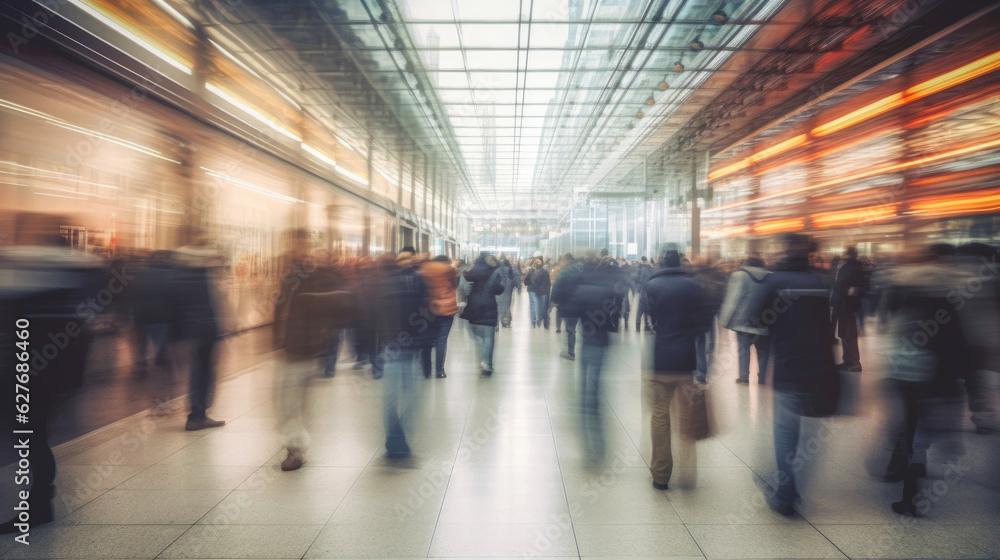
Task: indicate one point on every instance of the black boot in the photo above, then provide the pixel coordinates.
(908, 506)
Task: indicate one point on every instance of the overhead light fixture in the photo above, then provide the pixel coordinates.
(663, 87)
(678, 67)
(651, 100)
(719, 18)
(697, 45)
(640, 114)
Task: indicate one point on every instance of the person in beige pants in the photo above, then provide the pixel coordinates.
(679, 310)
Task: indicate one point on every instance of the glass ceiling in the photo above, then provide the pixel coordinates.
(541, 96)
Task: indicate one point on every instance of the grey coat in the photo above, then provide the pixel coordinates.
(736, 310)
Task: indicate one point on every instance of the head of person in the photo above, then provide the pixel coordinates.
(441, 258)
(794, 246)
(670, 257)
(643, 259)
(537, 263)
(590, 258)
(754, 259)
(850, 252)
(604, 252)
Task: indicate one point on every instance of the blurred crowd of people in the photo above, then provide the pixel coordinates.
(939, 309)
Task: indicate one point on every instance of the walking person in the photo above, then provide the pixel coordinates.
(400, 312)
(196, 324)
(924, 369)
(441, 280)
(508, 281)
(845, 302)
(538, 285)
(735, 316)
(599, 304)
(793, 303)
(311, 306)
(676, 304)
(566, 305)
(481, 307)
(642, 272)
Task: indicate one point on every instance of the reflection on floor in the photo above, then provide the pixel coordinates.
(497, 472)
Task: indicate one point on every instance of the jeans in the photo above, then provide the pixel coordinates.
(485, 336)
(539, 304)
(788, 406)
(202, 378)
(439, 328)
(571, 323)
(591, 364)
(743, 343)
(704, 347)
(397, 395)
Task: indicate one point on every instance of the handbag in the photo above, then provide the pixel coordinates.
(694, 413)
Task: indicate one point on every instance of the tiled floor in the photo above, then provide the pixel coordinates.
(498, 472)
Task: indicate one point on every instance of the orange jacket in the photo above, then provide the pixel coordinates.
(442, 282)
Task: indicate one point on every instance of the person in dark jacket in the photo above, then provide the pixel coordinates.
(845, 302)
(509, 282)
(793, 304)
(676, 304)
(929, 355)
(597, 298)
(196, 322)
(538, 285)
(312, 303)
(481, 308)
(570, 275)
(401, 316)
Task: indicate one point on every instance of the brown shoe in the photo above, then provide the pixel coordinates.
(195, 425)
(292, 462)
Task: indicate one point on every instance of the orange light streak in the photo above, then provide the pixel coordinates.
(934, 85)
(958, 152)
(968, 203)
(779, 226)
(855, 216)
(760, 156)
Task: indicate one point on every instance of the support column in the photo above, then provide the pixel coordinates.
(695, 210)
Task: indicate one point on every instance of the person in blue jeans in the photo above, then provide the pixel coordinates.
(793, 304)
(596, 300)
(735, 316)
(481, 307)
(538, 284)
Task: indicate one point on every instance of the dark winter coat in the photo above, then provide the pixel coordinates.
(793, 303)
(851, 274)
(312, 302)
(401, 315)
(598, 300)
(563, 289)
(537, 281)
(481, 306)
(677, 305)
